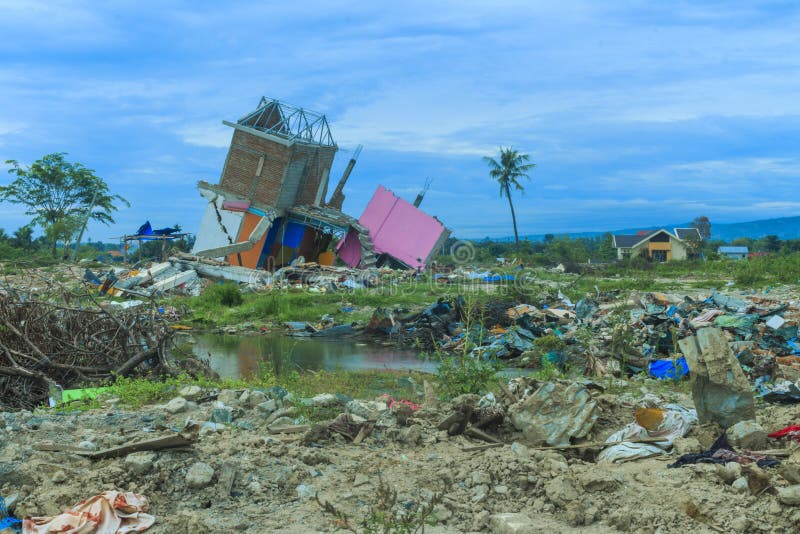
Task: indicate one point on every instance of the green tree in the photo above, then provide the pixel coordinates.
(56, 192)
(511, 167)
(703, 225)
(23, 237)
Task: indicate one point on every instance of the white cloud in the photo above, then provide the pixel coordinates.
(207, 134)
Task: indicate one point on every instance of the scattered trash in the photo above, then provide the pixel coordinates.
(667, 424)
(722, 453)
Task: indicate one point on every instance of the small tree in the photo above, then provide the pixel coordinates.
(703, 226)
(511, 167)
(56, 192)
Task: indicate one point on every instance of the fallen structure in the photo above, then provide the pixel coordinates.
(269, 208)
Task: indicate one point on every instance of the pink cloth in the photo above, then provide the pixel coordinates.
(111, 512)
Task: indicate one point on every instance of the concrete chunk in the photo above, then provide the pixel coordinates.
(720, 390)
(509, 523)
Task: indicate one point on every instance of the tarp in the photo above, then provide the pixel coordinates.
(669, 368)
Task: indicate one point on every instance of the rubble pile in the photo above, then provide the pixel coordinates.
(643, 331)
(558, 455)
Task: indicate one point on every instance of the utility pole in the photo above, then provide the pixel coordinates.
(83, 228)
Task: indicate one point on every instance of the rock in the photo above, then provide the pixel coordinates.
(520, 450)
(481, 477)
(720, 389)
(560, 491)
(789, 495)
(747, 435)
(199, 475)
(366, 409)
(283, 412)
(267, 407)
(360, 480)
(282, 421)
(500, 489)
(324, 400)
(87, 445)
(740, 485)
(256, 398)
(683, 446)
(480, 520)
(740, 524)
(221, 415)
(305, 491)
(140, 463)
(177, 405)
(729, 472)
(600, 480)
(442, 512)
(511, 523)
(191, 392)
(59, 477)
(411, 435)
(555, 413)
(228, 396)
(479, 493)
(11, 503)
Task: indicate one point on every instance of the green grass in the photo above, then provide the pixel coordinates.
(137, 392)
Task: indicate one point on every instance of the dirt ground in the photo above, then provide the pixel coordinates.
(277, 475)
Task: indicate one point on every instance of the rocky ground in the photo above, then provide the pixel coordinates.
(516, 488)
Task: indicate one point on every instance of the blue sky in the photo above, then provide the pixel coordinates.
(636, 113)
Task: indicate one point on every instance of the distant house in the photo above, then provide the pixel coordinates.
(657, 245)
(733, 253)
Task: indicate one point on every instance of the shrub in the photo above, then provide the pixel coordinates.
(227, 294)
(465, 374)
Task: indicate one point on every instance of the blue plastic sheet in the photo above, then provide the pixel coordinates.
(6, 521)
(669, 368)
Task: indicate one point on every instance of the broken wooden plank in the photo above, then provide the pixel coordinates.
(476, 448)
(480, 434)
(289, 429)
(184, 439)
(365, 431)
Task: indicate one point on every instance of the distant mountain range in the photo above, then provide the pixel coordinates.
(784, 228)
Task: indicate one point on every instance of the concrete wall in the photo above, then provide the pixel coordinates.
(210, 233)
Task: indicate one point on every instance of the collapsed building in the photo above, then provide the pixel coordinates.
(269, 208)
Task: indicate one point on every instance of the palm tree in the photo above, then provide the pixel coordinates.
(507, 172)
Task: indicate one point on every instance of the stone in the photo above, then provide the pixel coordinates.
(282, 421)
(520, 450)
(305, 491)
(480, 520)
(411, 435)
(560, 491)
(747, 435)
(740, 485)
(555, 413)
(59, 477)
(191, 392)
(500, 489)
(228, 396)
(366, 409)
(442, 512)
(283, 412)
(720, 389)
(511, 523)
(140, 463)
(360, 480)
(740, 524)
(221, 415)
(177, 405)
(683, 446)
(790, 495)
(324, 400)
(87, 445)
(267, 407)
(729, 472)
(256, 398)
(199, 475)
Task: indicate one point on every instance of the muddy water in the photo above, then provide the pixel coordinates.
(242, 356)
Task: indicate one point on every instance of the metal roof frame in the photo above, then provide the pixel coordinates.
(296, 125)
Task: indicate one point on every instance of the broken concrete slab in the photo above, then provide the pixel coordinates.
(555, 413)
(720, 388)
